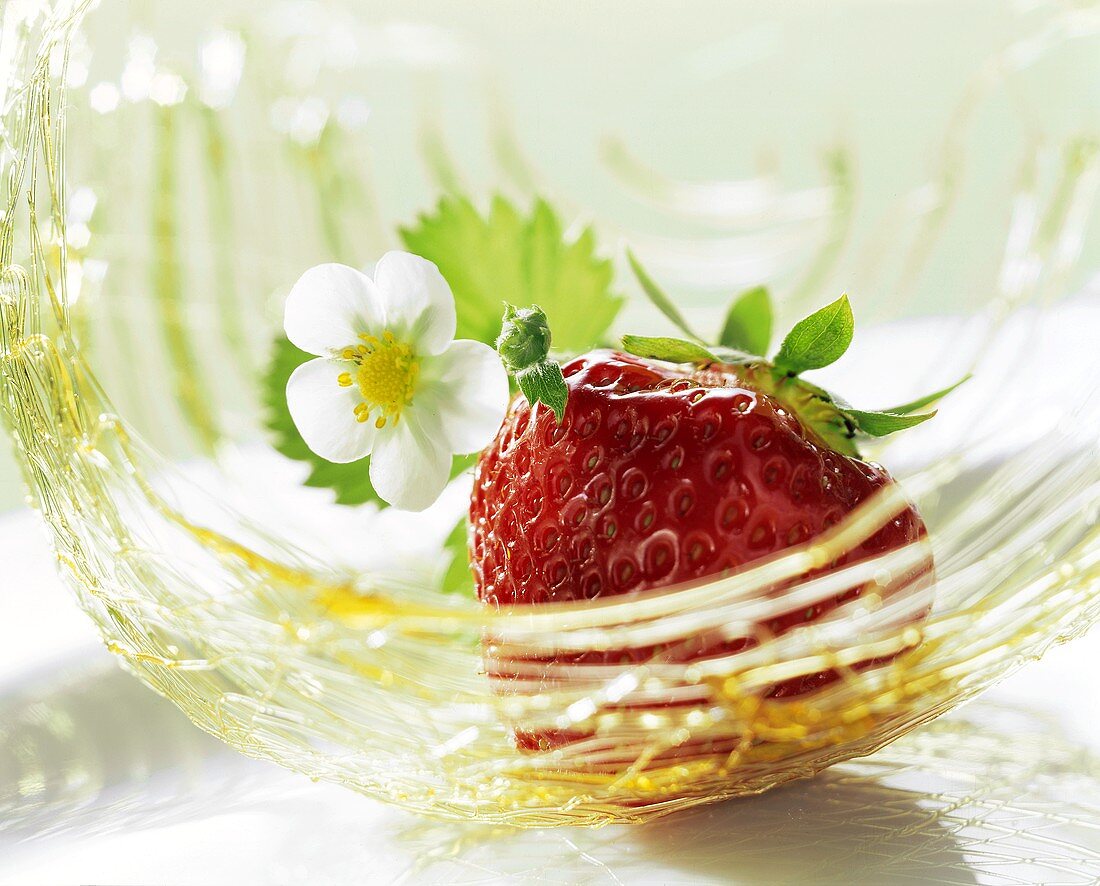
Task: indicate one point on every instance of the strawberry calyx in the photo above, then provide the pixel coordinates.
(815, 407)
(814, 342)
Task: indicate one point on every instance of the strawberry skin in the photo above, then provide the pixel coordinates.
(655, 476)
(659, 475)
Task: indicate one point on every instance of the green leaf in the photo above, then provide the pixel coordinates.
(879, 424)
(543, 382)
(818, 340)
(457, 578)
(350, 482)
(523, 259)
(672, 350)
(658, 296)
(748, 325)
(926, 400)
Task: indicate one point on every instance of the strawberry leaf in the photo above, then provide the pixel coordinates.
(818, 340)
(671, 350)
(748, 325)
(926, 400)
(524, 259)
(879, 424)
(457, 578)
(659, 298)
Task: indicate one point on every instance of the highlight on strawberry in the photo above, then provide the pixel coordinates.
(673, 461)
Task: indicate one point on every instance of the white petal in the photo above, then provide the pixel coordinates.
(467, 388)
(410, 463)
(324, 412)
(419, 306)
(330, 306)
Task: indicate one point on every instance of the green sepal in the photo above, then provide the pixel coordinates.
(671, 350)
(926, 400)
(748, 325)
(818, 340)
(660, 299)
(879, 424)
(543, 382)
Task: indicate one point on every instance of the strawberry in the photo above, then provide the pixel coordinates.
(656, 476)
(619, 474)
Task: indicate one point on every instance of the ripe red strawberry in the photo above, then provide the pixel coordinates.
(661, 474)
(655, 476)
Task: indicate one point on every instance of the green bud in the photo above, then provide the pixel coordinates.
(524, 346)
(524, 337)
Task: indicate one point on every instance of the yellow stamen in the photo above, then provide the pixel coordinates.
(386, 373)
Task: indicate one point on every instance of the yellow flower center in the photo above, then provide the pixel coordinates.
(386, 372)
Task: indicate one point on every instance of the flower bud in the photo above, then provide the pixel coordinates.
(524, 337)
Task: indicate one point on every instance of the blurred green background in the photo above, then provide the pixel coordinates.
(216, 150)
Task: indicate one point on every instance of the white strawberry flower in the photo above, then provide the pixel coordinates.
(390, 380)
